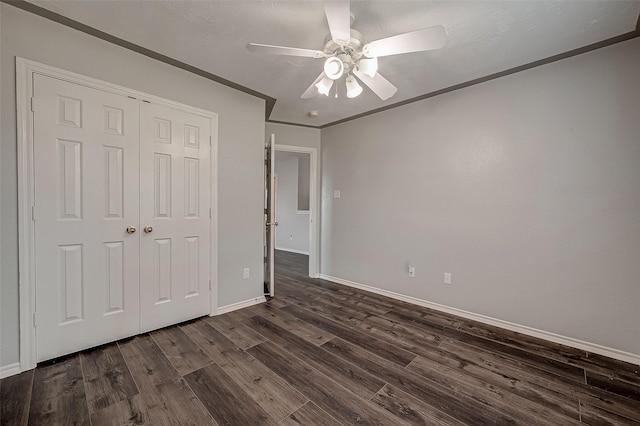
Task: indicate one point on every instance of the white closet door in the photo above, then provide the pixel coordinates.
(174, 216)
(86, 154)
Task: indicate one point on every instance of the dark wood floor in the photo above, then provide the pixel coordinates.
(324, 354)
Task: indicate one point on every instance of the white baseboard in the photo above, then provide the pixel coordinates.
(292, 250)
(546, 335)
(9, 370)
(239, 305)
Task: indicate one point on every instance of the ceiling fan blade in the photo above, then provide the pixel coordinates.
(378, 84)
(282, 50)
(312, 90)
(416, 41)
(339, 19)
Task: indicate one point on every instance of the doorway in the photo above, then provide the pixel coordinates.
(296, 169)
(307, 209)
(292, 171)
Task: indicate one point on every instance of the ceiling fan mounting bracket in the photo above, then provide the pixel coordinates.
(353, 47)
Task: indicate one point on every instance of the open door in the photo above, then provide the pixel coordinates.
(269, 214)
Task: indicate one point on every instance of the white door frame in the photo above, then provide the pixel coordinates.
(271, 208)
(314, 223)
(25, 70)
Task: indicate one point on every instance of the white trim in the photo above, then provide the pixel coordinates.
(72, 77)
(292, 250)
(529, 331)
(213, 251)
(314, 224)
(26, 242)
(271, 207)
(25, 71)
(10, 370)
(303, 212)
(240, 305)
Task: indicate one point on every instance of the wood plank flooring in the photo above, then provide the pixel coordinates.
(324, 354)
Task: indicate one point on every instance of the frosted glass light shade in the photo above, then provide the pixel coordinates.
(324, 86)
(333, 68)
(353, 88)
(368, 66)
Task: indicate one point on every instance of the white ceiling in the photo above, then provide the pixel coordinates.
(485, 37)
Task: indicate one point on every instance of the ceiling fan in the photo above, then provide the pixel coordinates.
(346, 54)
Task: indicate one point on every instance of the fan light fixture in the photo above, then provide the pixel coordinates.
(324, 86)
(333, 68)
(368, 66)
(345, 53)
(353, 88)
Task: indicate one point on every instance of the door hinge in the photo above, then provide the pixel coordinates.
(33, 213)
(210, 213)
(32, 105)
(34, 320)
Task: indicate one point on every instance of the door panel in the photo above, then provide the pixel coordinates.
(86, 154)
(175, 202)
(270, 215)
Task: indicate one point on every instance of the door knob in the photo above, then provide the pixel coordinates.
(131, 229)
(148, 229)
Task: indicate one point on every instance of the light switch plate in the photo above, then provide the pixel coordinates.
(336, 193)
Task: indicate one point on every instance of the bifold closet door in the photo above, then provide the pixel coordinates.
(86, 154)
(174, 216)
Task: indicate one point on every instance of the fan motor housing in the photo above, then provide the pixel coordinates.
(353, 49)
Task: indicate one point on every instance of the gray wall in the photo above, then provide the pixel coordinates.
(241, 139)
(292, 232)
(525, 188)
(304, 171)
(294, 135)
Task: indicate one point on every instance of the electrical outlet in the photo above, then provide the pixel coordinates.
(447, 277)
(412, 271)
(246, 273)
